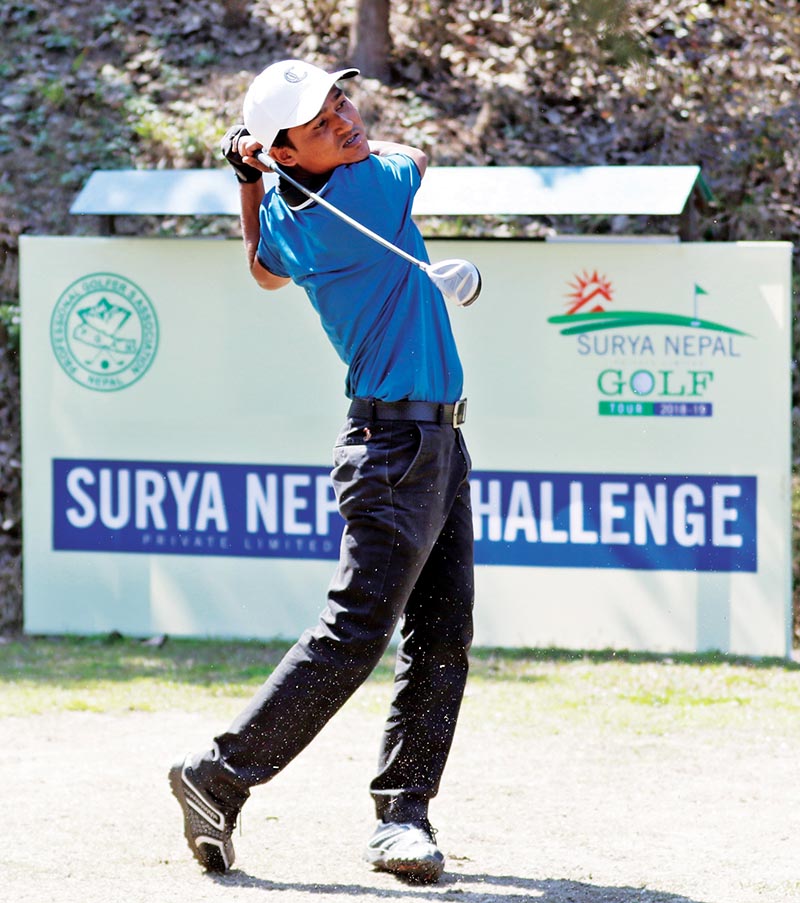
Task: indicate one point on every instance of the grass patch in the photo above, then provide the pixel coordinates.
(113, 657)
(522, 687)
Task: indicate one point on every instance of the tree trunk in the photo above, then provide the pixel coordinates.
(237, 13)
(370, 43)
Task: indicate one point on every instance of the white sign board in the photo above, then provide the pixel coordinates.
(629, 424)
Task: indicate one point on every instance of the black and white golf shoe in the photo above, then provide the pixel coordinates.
(206, 826)
(408, 851)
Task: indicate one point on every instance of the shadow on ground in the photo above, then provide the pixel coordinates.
(528, 890)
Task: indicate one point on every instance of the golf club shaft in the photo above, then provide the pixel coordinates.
(264, 158)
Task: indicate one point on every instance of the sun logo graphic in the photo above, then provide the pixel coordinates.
(590, 293)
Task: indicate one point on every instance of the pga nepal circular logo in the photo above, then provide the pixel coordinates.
(104, 332)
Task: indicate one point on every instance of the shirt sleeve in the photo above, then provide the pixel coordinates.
(404, 170)
(266, 253)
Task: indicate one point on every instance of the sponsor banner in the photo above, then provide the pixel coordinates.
(629, 424)
(641, 521)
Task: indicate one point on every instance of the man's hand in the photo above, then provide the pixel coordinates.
(230, 151)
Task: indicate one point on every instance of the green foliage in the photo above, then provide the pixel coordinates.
(59, 40)
(9, 326)
(54, 92)
(607, 26)
(182, 130)
(112, 16)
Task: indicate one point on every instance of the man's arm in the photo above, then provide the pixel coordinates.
(250, 195)
(385, 148)
(238, 146)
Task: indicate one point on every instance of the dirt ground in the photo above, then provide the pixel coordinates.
(572, 815)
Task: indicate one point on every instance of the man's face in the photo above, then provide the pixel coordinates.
(336, 135)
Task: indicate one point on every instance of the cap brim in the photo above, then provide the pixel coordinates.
(311, 102)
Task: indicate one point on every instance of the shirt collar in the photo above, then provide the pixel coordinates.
(296, 199)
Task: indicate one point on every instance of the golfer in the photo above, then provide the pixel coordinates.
(400, 469)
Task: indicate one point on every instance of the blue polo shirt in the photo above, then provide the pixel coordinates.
(383, 315)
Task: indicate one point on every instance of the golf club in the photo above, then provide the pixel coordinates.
(459, 281)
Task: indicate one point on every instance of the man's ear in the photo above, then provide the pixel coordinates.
(283, 156)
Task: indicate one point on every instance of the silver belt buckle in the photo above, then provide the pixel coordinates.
(459, 413)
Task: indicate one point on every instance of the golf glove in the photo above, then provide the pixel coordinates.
(244, 173)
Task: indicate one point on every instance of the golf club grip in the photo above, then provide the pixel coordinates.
(263, 157)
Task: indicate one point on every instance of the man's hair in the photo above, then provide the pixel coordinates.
(282, 139)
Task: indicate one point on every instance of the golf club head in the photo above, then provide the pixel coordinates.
(459, 281)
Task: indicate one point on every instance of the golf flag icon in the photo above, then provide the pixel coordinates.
(698, 290)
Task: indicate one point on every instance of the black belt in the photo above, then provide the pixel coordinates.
(429, 411)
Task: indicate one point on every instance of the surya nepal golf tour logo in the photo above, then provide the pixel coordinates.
(104, 332)
(646, 390)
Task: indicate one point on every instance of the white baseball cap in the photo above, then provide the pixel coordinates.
(287, 94)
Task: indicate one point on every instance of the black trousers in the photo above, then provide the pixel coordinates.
(406, 558)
